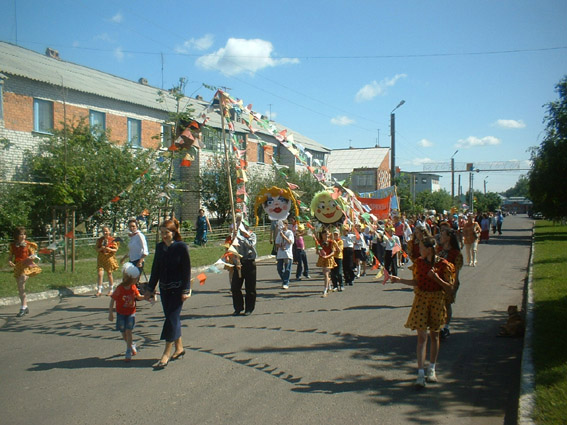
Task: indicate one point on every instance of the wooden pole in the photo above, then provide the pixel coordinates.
(227, 164)
(73, 241)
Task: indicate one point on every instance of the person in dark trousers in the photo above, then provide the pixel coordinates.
(245, 271)
(348, 239)
(172, 268)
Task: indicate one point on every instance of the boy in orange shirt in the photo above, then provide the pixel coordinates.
(125, 296)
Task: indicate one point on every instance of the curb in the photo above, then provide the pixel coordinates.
(526, 404)
(84, 289)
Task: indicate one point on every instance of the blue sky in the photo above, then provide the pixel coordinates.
(474, 75)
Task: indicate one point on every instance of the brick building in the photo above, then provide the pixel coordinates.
(40, 92)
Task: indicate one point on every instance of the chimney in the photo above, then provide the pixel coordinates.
(143, 81)
(52, 53)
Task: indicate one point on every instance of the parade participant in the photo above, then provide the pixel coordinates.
(302, 264)
(499, 222)
(106, 247)
(245, 271)
(391, 247)
(360, 255)
(451, 251)
(137, 247)
(284, 256)
(172, 269)
(337, 271)
(485, 228)
(413, 244)
(202, 226)
(471, 234)
(22, 255)
(432, 275)
(326, 261)
(348, 239)
(125, 296)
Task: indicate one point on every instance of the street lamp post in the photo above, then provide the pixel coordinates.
(393, 138)
(453, 176)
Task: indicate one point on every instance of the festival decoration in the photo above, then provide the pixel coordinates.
(326, 210)
(277, 203)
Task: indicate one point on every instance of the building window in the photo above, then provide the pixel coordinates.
(97, 121)
(166, 135)
(135, 132)
(42, 116)
(424, 180)
(261, 153)
(212, 140)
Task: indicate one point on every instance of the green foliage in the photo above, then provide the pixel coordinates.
(487, 203)
(438, 201)
(522, 188)
(15, 204)
(214, 188)
(550, 160)
(87, 172)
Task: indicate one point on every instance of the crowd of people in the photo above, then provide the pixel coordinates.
(429, 245)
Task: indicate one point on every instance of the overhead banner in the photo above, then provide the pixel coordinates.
(379, 207)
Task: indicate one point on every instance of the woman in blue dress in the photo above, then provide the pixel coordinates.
(202, 226)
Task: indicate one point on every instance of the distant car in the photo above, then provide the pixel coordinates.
(537, 216)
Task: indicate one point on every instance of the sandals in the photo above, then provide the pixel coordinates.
(178, 356)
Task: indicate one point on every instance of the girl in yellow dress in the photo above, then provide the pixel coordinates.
(326, 258)
(22, 255)
(106, 247)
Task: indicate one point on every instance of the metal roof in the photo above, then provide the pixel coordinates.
(345, 160)
(15, 60)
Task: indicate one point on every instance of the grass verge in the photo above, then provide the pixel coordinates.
(550, 323)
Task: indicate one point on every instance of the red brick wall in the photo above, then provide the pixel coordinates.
(18, 112)
(18, 116)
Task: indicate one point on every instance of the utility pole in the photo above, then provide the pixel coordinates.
(453, 176)
(393, 142)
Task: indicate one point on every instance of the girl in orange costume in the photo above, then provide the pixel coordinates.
(22, 254)
(106, 247)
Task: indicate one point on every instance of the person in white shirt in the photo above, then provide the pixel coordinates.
(348, 255)
(137, 247)
(284, 255)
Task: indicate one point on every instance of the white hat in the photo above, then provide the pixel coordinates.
(131, 270)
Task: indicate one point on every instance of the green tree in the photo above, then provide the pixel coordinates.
(550, 160)
(439, 201)
(521, 188)
(214, 190)
(90, 173)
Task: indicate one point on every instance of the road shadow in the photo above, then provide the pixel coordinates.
(94, 363)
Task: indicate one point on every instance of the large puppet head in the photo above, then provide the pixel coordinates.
(326, 209)
(277, 203)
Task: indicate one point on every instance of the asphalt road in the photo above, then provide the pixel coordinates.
(299, 359)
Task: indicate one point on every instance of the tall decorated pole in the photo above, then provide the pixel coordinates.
(226, 160)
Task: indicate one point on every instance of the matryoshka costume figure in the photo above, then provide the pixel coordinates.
(277, 203)
(326, 209)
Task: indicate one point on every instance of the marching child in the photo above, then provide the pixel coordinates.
(125, 296)
(302, 265)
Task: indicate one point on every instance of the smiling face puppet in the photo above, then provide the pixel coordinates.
(326, 209)
(277, 203)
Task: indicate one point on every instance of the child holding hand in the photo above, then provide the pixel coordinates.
(125, 296)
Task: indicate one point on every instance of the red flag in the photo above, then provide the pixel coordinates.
(238, 200)
(115, 199)
(379, 207)
(70, 235)
(310, 226)
(185, 163)
(202, 278)
(292, 186)
(376, 264)
(386, 276)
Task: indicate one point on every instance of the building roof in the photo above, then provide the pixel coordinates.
(18, 61)
(345, 160)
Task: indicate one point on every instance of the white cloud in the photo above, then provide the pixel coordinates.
(119, 54)
(421, 161)
(510, 124)
(104, 37)
(240, 55)
(200, 44)
(370, 91)
(473, 142)
(342, 120)
(117, 18)
(424, 143)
